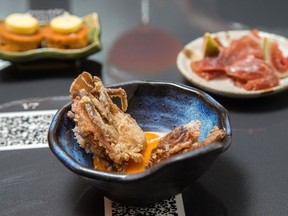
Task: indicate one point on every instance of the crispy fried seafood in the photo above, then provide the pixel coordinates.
(101, 127)
(114, 137)
(181, 140)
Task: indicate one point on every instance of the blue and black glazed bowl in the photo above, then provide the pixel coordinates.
(157, 106)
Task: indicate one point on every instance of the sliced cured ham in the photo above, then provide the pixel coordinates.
(250, 44)
(278, 60)
(208, 68)
(252, 74)
(244, 61)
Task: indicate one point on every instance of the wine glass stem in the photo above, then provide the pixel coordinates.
(145, 11)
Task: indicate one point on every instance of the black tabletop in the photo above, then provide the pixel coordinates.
(250, 179)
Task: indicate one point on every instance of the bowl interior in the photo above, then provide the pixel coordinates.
(163, 107)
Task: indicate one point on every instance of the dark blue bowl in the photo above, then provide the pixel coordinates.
(157, 106)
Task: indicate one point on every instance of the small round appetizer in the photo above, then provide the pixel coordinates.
(20, 32)
(66, 32)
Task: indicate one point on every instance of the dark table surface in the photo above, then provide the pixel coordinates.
(250, 179)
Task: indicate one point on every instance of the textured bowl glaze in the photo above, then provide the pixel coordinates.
(157, 106)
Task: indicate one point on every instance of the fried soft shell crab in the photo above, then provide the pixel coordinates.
(114, 137)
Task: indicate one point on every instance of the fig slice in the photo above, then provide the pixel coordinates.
(210, 46)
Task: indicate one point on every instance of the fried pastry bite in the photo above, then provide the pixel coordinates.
(101, 127)
(20, 32)
(66, 31)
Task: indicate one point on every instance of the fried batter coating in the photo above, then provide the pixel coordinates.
(181, 140)
(101, 127)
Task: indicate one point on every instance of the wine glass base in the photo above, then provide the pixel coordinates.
(142, 53)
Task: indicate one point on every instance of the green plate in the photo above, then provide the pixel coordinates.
(94, 45)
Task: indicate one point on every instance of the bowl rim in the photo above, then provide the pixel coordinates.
(92, 173)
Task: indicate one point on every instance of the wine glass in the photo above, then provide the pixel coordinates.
(144, 52)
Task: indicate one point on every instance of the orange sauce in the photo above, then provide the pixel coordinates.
(99, 165)
(152, 141)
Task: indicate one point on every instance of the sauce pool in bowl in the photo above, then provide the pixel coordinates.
(152, 141)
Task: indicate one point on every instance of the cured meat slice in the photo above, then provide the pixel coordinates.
(278, 60)
(244, 61)
(208, 68)
(249, 45)
(253, 74)
(211, 67)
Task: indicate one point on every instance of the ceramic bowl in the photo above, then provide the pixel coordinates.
(157, 106)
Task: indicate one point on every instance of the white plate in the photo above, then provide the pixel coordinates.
(224, 86)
